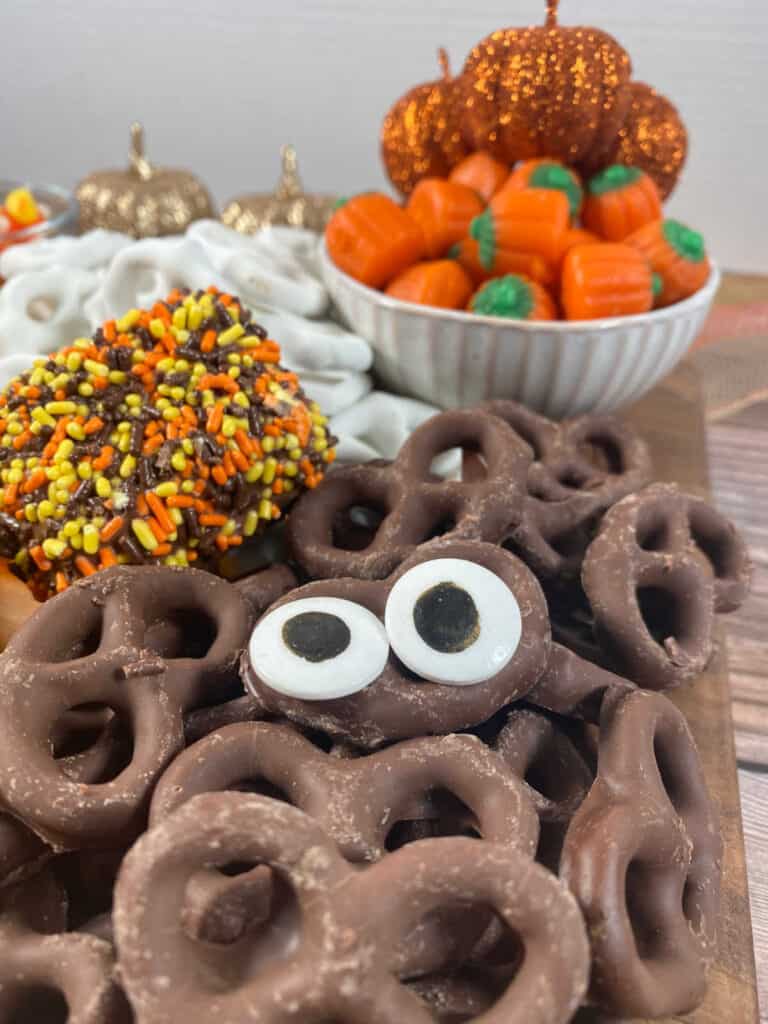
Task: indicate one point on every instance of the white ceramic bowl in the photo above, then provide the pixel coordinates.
(451, 358)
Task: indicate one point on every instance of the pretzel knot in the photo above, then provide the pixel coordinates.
(47, 973)
(661, 565)
(642, 857)
(146, 644)
(580, 468)
(339, 949)
(363, 521)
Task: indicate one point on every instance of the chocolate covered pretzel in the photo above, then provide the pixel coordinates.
(338, 948)
(580, 468)
(457, 632)
(662, 564)
(357, 801)
(363, 521)
(47, 972)
(147, 642)
(642, 856)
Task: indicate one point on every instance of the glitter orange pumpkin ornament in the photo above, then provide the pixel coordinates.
(653, 137)
(545, 91)
(421, 134)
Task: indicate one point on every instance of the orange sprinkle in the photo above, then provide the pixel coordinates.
(191, 556)
(21, 439)
(123, 339)
(85, 565)
(168, 342)
(303, 423)
(107, 557)
(244, 442)
(189, 414)
(162, 549)
(277, 486)
(141, 505)
(104, 460)
(152, 444)
(215, 416)
(174, 295)
(92, 425)
(272, 431)
(100, 383)
(110, 529)
(239, 460)
(109, 330)
(209, 340)
(221, 381)
(139, 369)
(200, 484)
(32, 391)
(212, 289)
(151, 428)
(235, 540)
(225, 299)
(213, 520)
(160, 512)
(157, 529)
(179, 501)
(38, 557)
(222, 542)
(160, 312)
(219, 475)
(228, 464)
(61, 582)
(11, 493)
(35, 480)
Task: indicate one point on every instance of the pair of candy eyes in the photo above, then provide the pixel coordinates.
(448, 620)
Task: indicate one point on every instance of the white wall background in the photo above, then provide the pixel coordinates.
(221, 84)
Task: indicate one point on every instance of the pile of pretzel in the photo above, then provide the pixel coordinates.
(418, 774)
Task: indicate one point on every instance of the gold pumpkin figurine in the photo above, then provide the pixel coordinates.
(288, 204)
(142, 200)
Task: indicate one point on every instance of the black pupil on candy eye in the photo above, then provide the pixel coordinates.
(446, 618)
(316, 636)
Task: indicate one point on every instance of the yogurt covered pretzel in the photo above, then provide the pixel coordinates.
(340, 949)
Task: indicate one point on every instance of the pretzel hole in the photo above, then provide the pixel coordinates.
(716, 544)
(571, 477)
(662, 614)
(182, 633)
(652, 532)
(439, 527)
(603, 453)
(639, 882)
(37, 1004)
(76, 636)
(94, 752)
(355, 528)
(260, 787)
(450, 817)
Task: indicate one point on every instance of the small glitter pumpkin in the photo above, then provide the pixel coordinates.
(143, 200)
(421, 134)
(653, 137)
(545, 91)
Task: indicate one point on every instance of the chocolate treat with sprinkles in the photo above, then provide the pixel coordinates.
(171, 436)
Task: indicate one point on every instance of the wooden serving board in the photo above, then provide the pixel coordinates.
(671, 419)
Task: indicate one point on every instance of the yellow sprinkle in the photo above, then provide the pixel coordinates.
(103, 487)
(64, 450)
(187, 486)
(180, 317)
(254, 473)
(127, 466)
(166, 365)
(76, 541)
(42, 417)
(143, 534)
(194, 317)
(290, 468)
(188, 446)
(296, 454)
(90, 539)
(53, 548)
(320, 445)
(70, 528)
(133, 400)
(124, 442)
(15, 476)
(85, 389)
(329, 455)
(76, 431)
(228, 426)
(229, 528)
(97, 369)
(270, 465)
(268, 444)
(179, 460)
(171, 413)
(176, 516)
(250, 341)
(177, 393)
(74, 362)
(131, 318)
(166, 489)
(265, 509)
(250, 523)
(30, 513)
(231, 335)
(156, 328)
(234, 312)
(180, 335)
(117, 376)
(45, 509)
(234, 372)
(84, 470)
(287, 486)
(59, 408)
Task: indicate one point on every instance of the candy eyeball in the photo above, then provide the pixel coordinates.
(452, 621)
(318, 648)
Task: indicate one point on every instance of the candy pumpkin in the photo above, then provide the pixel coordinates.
(372, 239)
(545, 91)
(606, 279)
(532, 221)
(421, 133)
(467, 253)
(440, 283)
(548, 174)
(514, 297)
(443, 210)
(676, 254)
(479, 171)
(619, 201)
(578, 236)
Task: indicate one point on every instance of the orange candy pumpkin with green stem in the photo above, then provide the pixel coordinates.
(482, 173)
(532, 220)
(620, 200)
(676, 254)
(604, 280)
(549, 174)
(514, 297)
(443, 210)
(440, 283)
(467, 253)
(372, 239)
(578, 236)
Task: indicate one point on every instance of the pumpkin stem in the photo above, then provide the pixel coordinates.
(445, 63)
(139, 162)
(551, 21)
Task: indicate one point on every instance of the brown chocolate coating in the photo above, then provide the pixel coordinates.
(642, 856)
(573, 686)
(662, 564)
(399, 705)
(48, 973)
(409, 505)
(580, 468)
(149, 643)
(341, 946)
